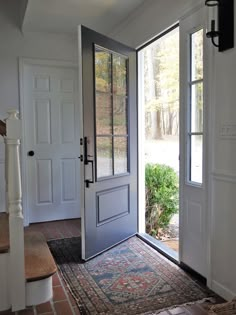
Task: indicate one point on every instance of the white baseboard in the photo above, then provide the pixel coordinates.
(222, 291)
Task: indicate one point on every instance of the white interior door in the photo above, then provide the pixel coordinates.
(193, 210)
(109, 148)
(51, 142)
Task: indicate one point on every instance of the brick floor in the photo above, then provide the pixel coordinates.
(57, 229)
(62, 302)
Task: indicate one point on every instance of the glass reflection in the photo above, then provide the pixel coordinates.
(102, 71)
(197, 108)
(103, 114)
(120, 155)
(119, 75)
(111, 113)
(196, 159)
(104, 157)
(197, 55)
(120, 115)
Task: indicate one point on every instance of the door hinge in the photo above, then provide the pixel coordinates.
(81, 141)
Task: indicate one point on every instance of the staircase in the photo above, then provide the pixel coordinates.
(26, 264)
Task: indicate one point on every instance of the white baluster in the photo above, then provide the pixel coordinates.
(16, 222)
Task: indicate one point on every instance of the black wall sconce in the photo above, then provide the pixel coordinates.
(221, 23)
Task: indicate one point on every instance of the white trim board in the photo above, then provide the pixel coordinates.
(222, 290)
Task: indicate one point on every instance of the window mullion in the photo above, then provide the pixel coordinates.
(195, 82)
(112, 116)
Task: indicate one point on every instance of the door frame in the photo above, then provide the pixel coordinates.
(141, 139)
(22, 62)
(197, 23)
(80, 100)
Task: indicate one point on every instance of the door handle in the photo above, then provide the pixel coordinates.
(85, 150)
(31, 153)
(90, 181)
(87, 161)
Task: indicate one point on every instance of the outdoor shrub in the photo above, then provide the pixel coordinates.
(161, 182)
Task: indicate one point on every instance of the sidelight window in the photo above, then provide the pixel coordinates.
(196, 104)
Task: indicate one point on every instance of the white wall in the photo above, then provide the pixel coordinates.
(223, 254)
(32, 45)
(150, 20)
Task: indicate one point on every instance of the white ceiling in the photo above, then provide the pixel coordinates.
(65, 15)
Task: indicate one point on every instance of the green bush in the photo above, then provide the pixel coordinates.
(162, 192)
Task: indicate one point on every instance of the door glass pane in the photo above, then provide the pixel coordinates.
(197, 55)
(120, 115)
(196, 159)
(102, 70)
(111, 113)
(120, 155)
(119, 75)
(197, 107)
(103, 113)
(104, 157)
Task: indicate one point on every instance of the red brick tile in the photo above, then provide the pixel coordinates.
(55, 280)
(63, 308)
(58, 229)
(27, 311)
(50, 235)
(9, 312)
(58, 294)
(44, 308)
(72, 300)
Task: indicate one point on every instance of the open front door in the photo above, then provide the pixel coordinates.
(109, 143)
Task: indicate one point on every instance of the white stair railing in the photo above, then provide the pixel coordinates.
(14, 205)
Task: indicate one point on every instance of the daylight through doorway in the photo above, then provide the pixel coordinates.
(159, 102)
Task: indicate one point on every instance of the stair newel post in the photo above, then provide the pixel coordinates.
(16, 221)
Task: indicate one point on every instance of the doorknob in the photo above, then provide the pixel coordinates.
(31, 153)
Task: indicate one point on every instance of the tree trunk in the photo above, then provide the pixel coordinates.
(156, 131)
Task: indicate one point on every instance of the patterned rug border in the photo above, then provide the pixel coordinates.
(83, 309)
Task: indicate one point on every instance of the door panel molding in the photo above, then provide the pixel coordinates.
(223, 176)
(119, 209)
(22, 63)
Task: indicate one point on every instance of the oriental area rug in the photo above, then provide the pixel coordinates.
(131, 278)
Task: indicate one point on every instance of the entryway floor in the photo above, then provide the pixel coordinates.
(62, 302)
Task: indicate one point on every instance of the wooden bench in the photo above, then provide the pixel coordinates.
(39, 263)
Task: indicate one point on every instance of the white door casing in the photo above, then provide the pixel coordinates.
(193, 197)
(50, 115)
